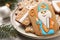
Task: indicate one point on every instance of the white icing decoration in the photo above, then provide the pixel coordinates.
(47, 22)
(23, 18)
(54, 3)
(31, 6)
(47, 15)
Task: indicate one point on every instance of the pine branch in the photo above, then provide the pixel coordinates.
(7, 31)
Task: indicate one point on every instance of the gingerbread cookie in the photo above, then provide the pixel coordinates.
(46, 12)
(56, 5)
(29, 29)
(58, 19)
(43, 21)
(47, 18)
(29, 4)
(33, 16)
(22, 16)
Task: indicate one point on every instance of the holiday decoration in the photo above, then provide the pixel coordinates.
(11, 2)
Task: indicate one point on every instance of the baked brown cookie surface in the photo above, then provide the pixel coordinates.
(43, 19)
(22, 15)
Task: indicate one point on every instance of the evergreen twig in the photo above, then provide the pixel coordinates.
(7, 31)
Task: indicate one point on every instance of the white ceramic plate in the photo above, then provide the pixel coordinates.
(19, 28)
